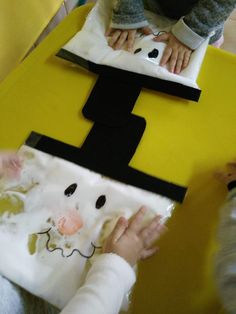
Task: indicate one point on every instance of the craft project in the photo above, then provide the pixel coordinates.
(54, 219)
(89, 48)
(183, 143)
(68, 199)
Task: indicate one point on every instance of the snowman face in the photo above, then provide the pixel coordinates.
(66, 208)
(146, 48)
(62, 213)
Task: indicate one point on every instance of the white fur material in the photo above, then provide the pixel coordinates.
(41, 190)
(91, 44)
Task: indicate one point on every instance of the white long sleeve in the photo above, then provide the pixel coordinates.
(106, 284)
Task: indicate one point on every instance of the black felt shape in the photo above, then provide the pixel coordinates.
(231, 185)
(123, 173)
(114, 146)
(70, 190)
(168, 87)
(137, 50)
(100, 201)
(111, 101)
(153, 54)
(116, 132)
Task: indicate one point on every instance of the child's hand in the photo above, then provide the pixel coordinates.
(121, 36)
(133, 241)
(229, 175)
(176, 54)
(10, 165)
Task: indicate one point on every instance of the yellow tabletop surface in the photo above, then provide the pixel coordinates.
(21, 23)
(184, 142)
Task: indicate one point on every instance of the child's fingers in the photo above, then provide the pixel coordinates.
(162, 37)
(119, 229)
(10, 164)
(151, 225)
(231, 166)
(221, 176)
(187, 56)
(154, 235)
(146, 30)
(15, 162)
(114, 38)
(135, 223)
(166, 55)
(109, 31)
(131, 38)
(179, 63)
(225, 177)
(152, 230)
(121, 40)
(173, 60)
(148, 253)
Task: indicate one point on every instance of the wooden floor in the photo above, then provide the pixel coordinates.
(230, 33)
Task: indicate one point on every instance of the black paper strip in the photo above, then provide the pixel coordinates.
(168, 87)
(120, 173)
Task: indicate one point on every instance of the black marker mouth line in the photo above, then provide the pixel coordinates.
(47, 232)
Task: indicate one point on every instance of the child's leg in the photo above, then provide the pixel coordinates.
(14, 300)
(10, 300)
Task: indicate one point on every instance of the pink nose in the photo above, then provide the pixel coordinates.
(69, 223)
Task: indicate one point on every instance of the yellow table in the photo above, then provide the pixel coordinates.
(21, 23)
(184, 142)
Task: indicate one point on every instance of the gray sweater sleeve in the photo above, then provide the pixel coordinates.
(226, 257)
(205, 19)
(128, 14)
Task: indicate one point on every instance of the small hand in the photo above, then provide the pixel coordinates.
(229, 175)
(121, 36)
(133, 241)
(10, 164)
(176, 54)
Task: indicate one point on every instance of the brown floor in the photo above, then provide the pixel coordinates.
(230, 33)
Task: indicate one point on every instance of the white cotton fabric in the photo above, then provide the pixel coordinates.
(40, 189)
(91, 44)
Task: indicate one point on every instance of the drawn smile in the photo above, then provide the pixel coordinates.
(47, 232)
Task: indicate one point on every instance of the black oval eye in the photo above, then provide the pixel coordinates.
(138, 50)
(100, 201)
(70, 190)
(153, 54)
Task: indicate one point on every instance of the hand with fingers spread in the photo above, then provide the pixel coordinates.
(176, 54)
(10, 164)
(132, 240)
(120, 37)
(228, 175)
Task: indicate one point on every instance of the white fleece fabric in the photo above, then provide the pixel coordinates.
(91, 44)
(53, 195)
(108, 281)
